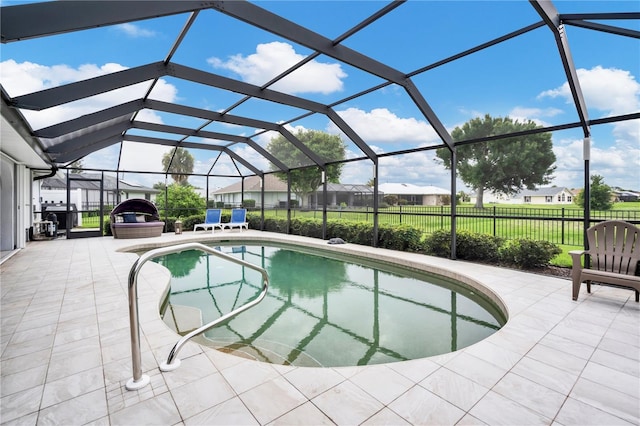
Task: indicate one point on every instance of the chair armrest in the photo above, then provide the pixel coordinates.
(576, 258)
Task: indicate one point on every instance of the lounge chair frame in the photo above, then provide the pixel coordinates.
(614, 251)
(238, 220)
(212, 221)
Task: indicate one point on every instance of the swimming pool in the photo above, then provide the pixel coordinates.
(323, 310)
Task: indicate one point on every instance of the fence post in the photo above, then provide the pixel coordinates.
(494, 221)
(562, 222)
(400, 213)
(441, 217)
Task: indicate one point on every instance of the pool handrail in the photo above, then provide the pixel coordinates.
(140, 380)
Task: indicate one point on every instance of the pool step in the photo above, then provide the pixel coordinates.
(265, 351)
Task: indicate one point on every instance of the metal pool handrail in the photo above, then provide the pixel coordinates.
(140, 380)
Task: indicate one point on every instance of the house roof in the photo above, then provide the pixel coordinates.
(410, 189)
(543, 192)
(252, 184)
(109, 183)
(348, 187)
(273, 184)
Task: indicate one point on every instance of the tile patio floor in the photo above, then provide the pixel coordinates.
(66, 354)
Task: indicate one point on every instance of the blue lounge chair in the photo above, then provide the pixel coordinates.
(211, 221)
(238, 220)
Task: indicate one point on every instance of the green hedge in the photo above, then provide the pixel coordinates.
(395, 237)
(522, 253)
(528, 254)
(469, 246)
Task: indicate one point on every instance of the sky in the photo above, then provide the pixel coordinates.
(521, 78)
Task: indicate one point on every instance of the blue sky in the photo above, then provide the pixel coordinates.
(522, 78)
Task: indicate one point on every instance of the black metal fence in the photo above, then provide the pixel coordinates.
(560, 226)
(563, 226)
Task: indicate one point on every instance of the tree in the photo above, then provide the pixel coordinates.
(390, 199)
(181, 166)
(600, 195)
(306, 180)
(504, 166)
(462, 197)
(183, 200)
(78, 166)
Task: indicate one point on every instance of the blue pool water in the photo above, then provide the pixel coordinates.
(322, 311)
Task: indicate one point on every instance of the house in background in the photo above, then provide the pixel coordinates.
(275, 193)
(345, 194)
(85, 194)
(546, 195)
(417, 195)
(625, 196)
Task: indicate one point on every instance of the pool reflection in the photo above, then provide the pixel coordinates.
(326, 312)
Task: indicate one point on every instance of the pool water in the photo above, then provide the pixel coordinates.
(322, 311)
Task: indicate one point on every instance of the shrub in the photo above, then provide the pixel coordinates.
(249, 203)
(220, 204)
(438, 243)
(189, 222)
(481, 247)
(528, 254)
(254, 220)
(399, 237)
(523, 253)
(106, 227)
(360, 233)
(306, 227)
(390, 199)
(469, 246)
(340, 229)
(275, 225)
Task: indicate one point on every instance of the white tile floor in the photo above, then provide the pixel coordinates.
(66, 354)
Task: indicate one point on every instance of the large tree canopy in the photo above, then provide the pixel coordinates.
(181, 166)
(504, 166)
(307, 180)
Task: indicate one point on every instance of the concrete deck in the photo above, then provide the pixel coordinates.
(66, 354)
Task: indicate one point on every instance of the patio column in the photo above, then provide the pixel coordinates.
(586, 154)
(454, 161)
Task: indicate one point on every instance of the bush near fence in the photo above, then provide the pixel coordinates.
(520, 253)
(563, 226)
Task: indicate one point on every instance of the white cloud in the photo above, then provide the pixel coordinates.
(619, 164)
(27, 77)
(383, 126)
(610, 90)
(614, 92)
(271, 59)
(523, 114)
(134, 31)
(418, 168)
(143, 157)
